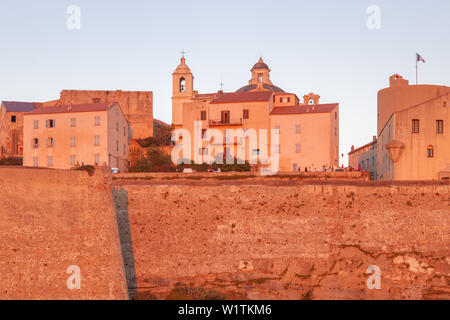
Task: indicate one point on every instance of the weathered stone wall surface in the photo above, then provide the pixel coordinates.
(53, 219)
(287, 241)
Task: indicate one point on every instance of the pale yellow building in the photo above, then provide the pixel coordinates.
(308, 131)
(414, 132)
(66, 136)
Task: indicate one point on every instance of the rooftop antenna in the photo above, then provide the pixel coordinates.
(221, 85)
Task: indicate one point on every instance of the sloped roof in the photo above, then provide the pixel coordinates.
(91, 107)
(16, 106)
(254, 96)
(304, 109)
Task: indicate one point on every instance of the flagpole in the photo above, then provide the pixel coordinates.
(417, 75)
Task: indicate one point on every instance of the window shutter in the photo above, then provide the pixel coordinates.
(46, 123)
(39, 142)
(32, 143)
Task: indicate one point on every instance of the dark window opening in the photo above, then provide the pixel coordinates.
(245, 114)
(225, 118)
(430, 152)
(415, 126)
(13, 118)
(440, 126)
(203, 115)
(182, 85)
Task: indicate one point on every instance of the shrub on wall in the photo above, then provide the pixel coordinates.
(11, 161)
(152, 160)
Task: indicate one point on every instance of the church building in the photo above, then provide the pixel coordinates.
(308, 130)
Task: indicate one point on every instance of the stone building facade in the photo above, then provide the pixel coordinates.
(11, 127)
(137, 106)
(413, 131)
(63, 137)
(308, 131)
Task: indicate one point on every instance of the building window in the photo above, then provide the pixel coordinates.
(73, 142)
(117, 126)
(225, 117)
(35, 143)
(277, 129)
(440, 126)
(203, 133)
(256, 152)
(335, 116)
(294, 167)
(117, 145)
(97, 121)
(72, 159)
(124, 131)
(297, 148)
(97, 159)
(50, 123)
(35, 161)
(430, 152)
(415, 126)
(50, 161)
(97, 140)
(36, 124)
(277, 148)
(182, 85)
(13, 119)
(288, 99)
(203, 115)
(124, 149)
(298, 128)
(73, 122)
(335, 132)
(245, 114)
(50, 142)
(202, 151)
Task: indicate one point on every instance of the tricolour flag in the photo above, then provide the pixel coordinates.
(419, 58)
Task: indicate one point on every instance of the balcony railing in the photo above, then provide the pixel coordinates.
(229, 122)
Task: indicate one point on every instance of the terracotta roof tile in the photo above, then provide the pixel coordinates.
(74, 108)
(255, 96)
(304, 109)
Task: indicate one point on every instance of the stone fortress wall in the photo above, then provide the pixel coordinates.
(206, 239)
(287, 240)
(51, 220)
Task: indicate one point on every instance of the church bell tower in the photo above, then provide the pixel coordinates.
(182, 90)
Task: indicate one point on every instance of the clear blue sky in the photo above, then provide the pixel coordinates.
(319, 46)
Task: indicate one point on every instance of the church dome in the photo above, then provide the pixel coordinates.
(251, 87)
(260, 65)
(182, 67)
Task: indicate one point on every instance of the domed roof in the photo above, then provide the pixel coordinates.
(270, 87)
(260, 65)
(182, 67)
